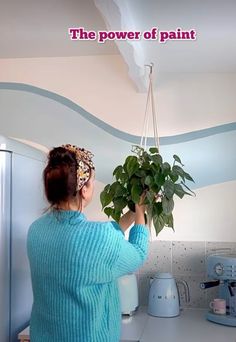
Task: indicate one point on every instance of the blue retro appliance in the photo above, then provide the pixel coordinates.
(163, 298)
(221, 269)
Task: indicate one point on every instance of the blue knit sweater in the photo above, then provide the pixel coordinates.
(74, 266)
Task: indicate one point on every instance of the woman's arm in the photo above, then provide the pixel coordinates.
(126, 220)
(139, 214)
(130, 217)
(133, 253)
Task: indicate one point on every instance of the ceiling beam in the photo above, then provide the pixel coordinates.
(118, 17)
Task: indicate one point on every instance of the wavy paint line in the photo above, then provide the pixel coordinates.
(210, 160)
(133, 139)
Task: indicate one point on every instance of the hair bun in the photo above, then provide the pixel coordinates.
(61, 156)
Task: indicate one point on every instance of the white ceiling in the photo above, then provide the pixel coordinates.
(39, 29)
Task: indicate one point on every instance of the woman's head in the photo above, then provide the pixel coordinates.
(68, 177)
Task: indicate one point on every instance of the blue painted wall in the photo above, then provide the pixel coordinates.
(48, 118)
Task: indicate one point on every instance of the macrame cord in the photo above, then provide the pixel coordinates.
(144, 138)
(152, 113)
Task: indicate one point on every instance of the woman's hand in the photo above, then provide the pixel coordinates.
(130, 217)
(140, 211)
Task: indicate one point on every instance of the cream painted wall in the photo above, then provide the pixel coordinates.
(209, 216)
(186, 102)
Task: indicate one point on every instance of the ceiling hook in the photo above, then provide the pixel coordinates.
(151, 65)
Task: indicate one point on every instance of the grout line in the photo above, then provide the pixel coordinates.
(205, 259)
(205, 275)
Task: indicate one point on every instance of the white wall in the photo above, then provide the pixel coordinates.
(210, 216)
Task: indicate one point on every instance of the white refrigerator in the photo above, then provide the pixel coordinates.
(21, 202)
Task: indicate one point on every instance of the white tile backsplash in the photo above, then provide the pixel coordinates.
(159, 258)
(144, 285)
(197, 295)
(220, 247)
(186, 260)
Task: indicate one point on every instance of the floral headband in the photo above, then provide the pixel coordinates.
(84, 164)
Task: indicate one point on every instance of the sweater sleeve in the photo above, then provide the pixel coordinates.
(132, 253)
(117, 227)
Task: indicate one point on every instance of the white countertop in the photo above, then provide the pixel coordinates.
(190, 326)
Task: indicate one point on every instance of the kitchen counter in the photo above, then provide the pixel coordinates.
(191, 325)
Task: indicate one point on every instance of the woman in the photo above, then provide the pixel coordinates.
(75, 263)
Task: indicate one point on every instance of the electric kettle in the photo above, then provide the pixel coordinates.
(163, 298)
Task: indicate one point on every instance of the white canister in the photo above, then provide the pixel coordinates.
(128, 292)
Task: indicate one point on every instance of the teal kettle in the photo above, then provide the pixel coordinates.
(163, 300)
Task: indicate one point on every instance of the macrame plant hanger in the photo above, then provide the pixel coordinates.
(150, 114)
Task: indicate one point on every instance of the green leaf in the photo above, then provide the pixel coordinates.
(118, 171)
(179, 191)
(188, 189)
(157, 209)
(140, 173)
(153, 150)
(174, 177)
(146, 166)
(169, 221)
(150, 195)
(159, 178)
(166, 168)
(136, 191)
(119, 203)
(116, 215)
(157, 159)
(155, 188)
(108, 211)
(105, 198)
(176, 158)
(188, 177)
(154, 168)
(107, 188)
(124, 178)
(159, 223)
(168, 205)
(131, 165)
(146, 157)
(169, 188)
(149, 181)
(179, 171)
(117, 190)
(134, 180)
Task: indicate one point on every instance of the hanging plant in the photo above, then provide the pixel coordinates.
(147, 173)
